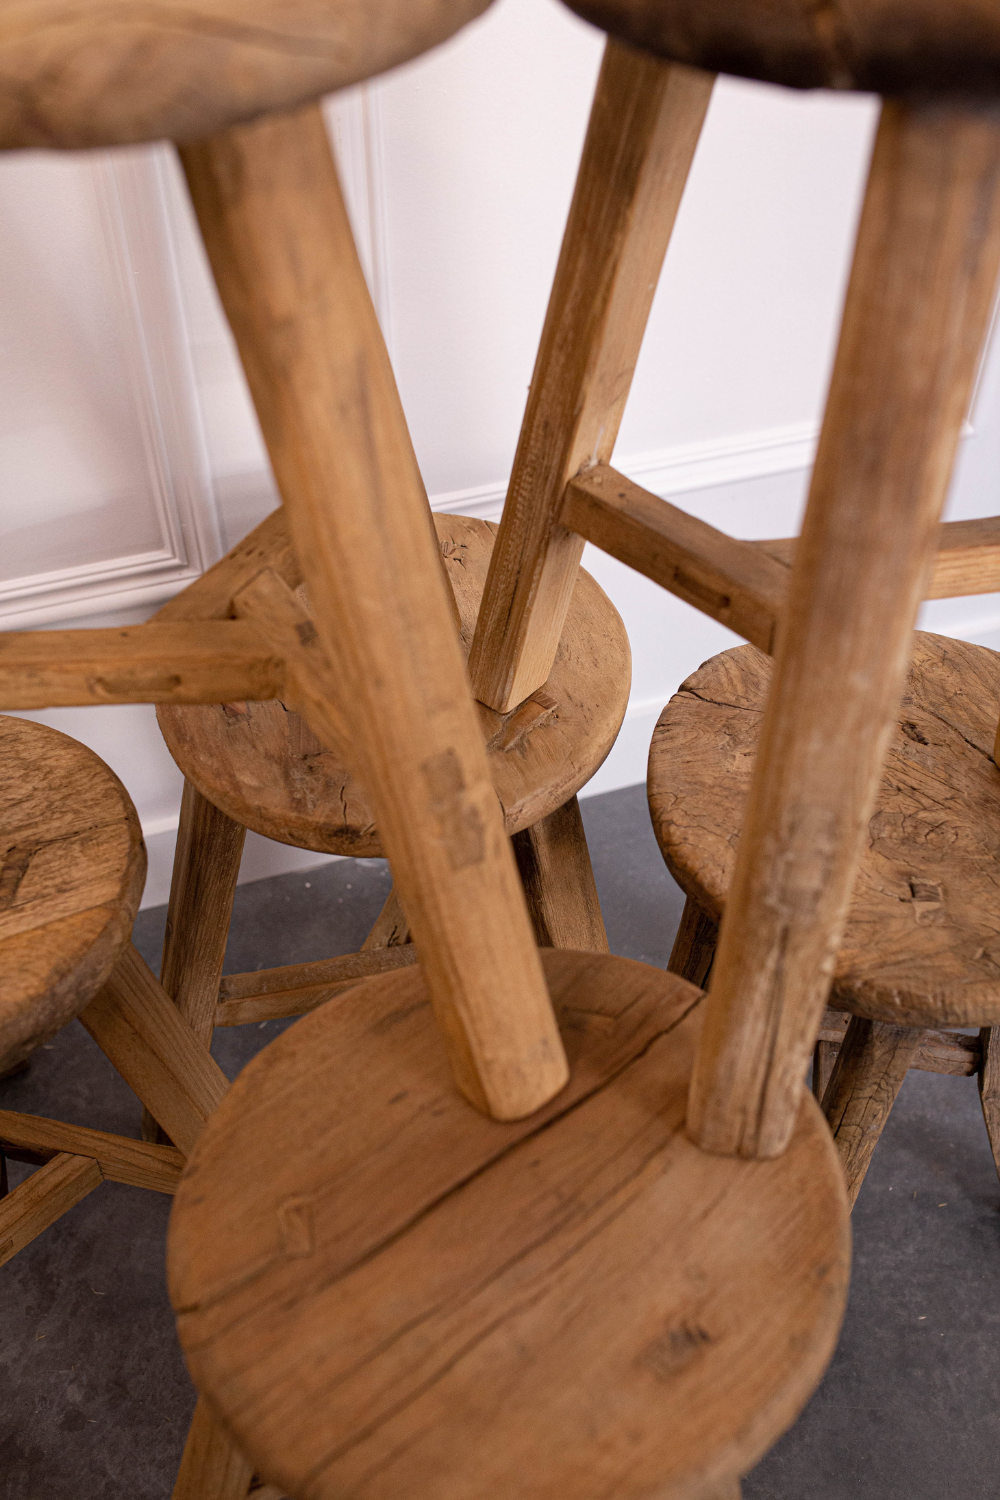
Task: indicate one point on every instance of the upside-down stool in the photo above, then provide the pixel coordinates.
(260, 766)
(919, 952)
(72, 866)
(631, 1291)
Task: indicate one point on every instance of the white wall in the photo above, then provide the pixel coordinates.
(129, 454)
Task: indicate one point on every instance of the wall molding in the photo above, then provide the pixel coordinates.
(130, 190)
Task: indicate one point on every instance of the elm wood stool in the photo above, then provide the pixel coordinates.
(259, 766)
(919, 952)
(410, 1295)
(72, 866)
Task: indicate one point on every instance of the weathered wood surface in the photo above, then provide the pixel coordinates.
(873, 1060)
(262, 763)
(644, 126)
(989, 1087)
(390, 928)
(72, 866)
(967, 560)
(695, 944)
(212, 1467)
(86, 73)
(558, 879)
(878, 46)
(575, 1304)
(140, 1030)
(297, 988)
(43, 1198)
(280, 244)
(921, 946)
(916, 313)
(169, 662)
(733, 582)
(136, 1163)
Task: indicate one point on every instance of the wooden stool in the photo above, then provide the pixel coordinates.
(260, 766)
(919, 950)
(388, 1291)
(72, 866)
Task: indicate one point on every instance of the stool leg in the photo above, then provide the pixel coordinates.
(391, 929)
(202, 887)
(917, 309)
(558, 879)
(824, 1061)
(989, 1087)
(279, 240)
(694, 946)
(644, 127)
(212, 1468)
(874, 1059)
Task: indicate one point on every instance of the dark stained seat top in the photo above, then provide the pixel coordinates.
(894, 47)
(110, 72)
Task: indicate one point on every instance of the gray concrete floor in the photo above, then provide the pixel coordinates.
(94, 1398)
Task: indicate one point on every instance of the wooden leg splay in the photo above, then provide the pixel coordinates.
(554, 864)
(873, 1061)
(212, 1467)
(989, 1087)
(694, 946)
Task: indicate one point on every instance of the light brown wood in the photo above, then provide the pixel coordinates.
(43, 1198)
(917, 308)
(391, 929)
(210, 597)
(694, 946)
(879, 46)
(206, 869)
(989, 1087)
(292, 991)
(733, 582)
(266, 768)
(155, 663)
(212, 1467)
(644, 126)
(32, 1138)
(919, 947)
(72, 865)
(558, 879)
(967, 560)
(140, 1030)
(387, 1293)
(872, 1062)
(202, 887)
(278, 237)
(824, 1061)
(92, 74)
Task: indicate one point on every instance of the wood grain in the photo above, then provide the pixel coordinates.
(280, 245)
(297, 988)
(92, 74)
(917, 307)
(212, 1467)
(390, 928)
(731, 581)
(554, 864)
(136, 1163)
(989, 1087)
(578, 1304)
(264, 766)
(72, 866)
(872, 1062)
(877, 46)
(921, 945)
(644, 126)
(695, 944)
(43, 1198)
(140, 1030)
(174, 662)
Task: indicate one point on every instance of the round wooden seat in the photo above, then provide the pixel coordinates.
(93, 73)
(383, 1292)
(72, 867)
(879, 46)
(261, 764)
(922, 942)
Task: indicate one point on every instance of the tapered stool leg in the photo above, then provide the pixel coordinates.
(989, 1087)
(212, 1467)
(694, 946)
(202, 888)
(874, 1059)
(558, 879)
